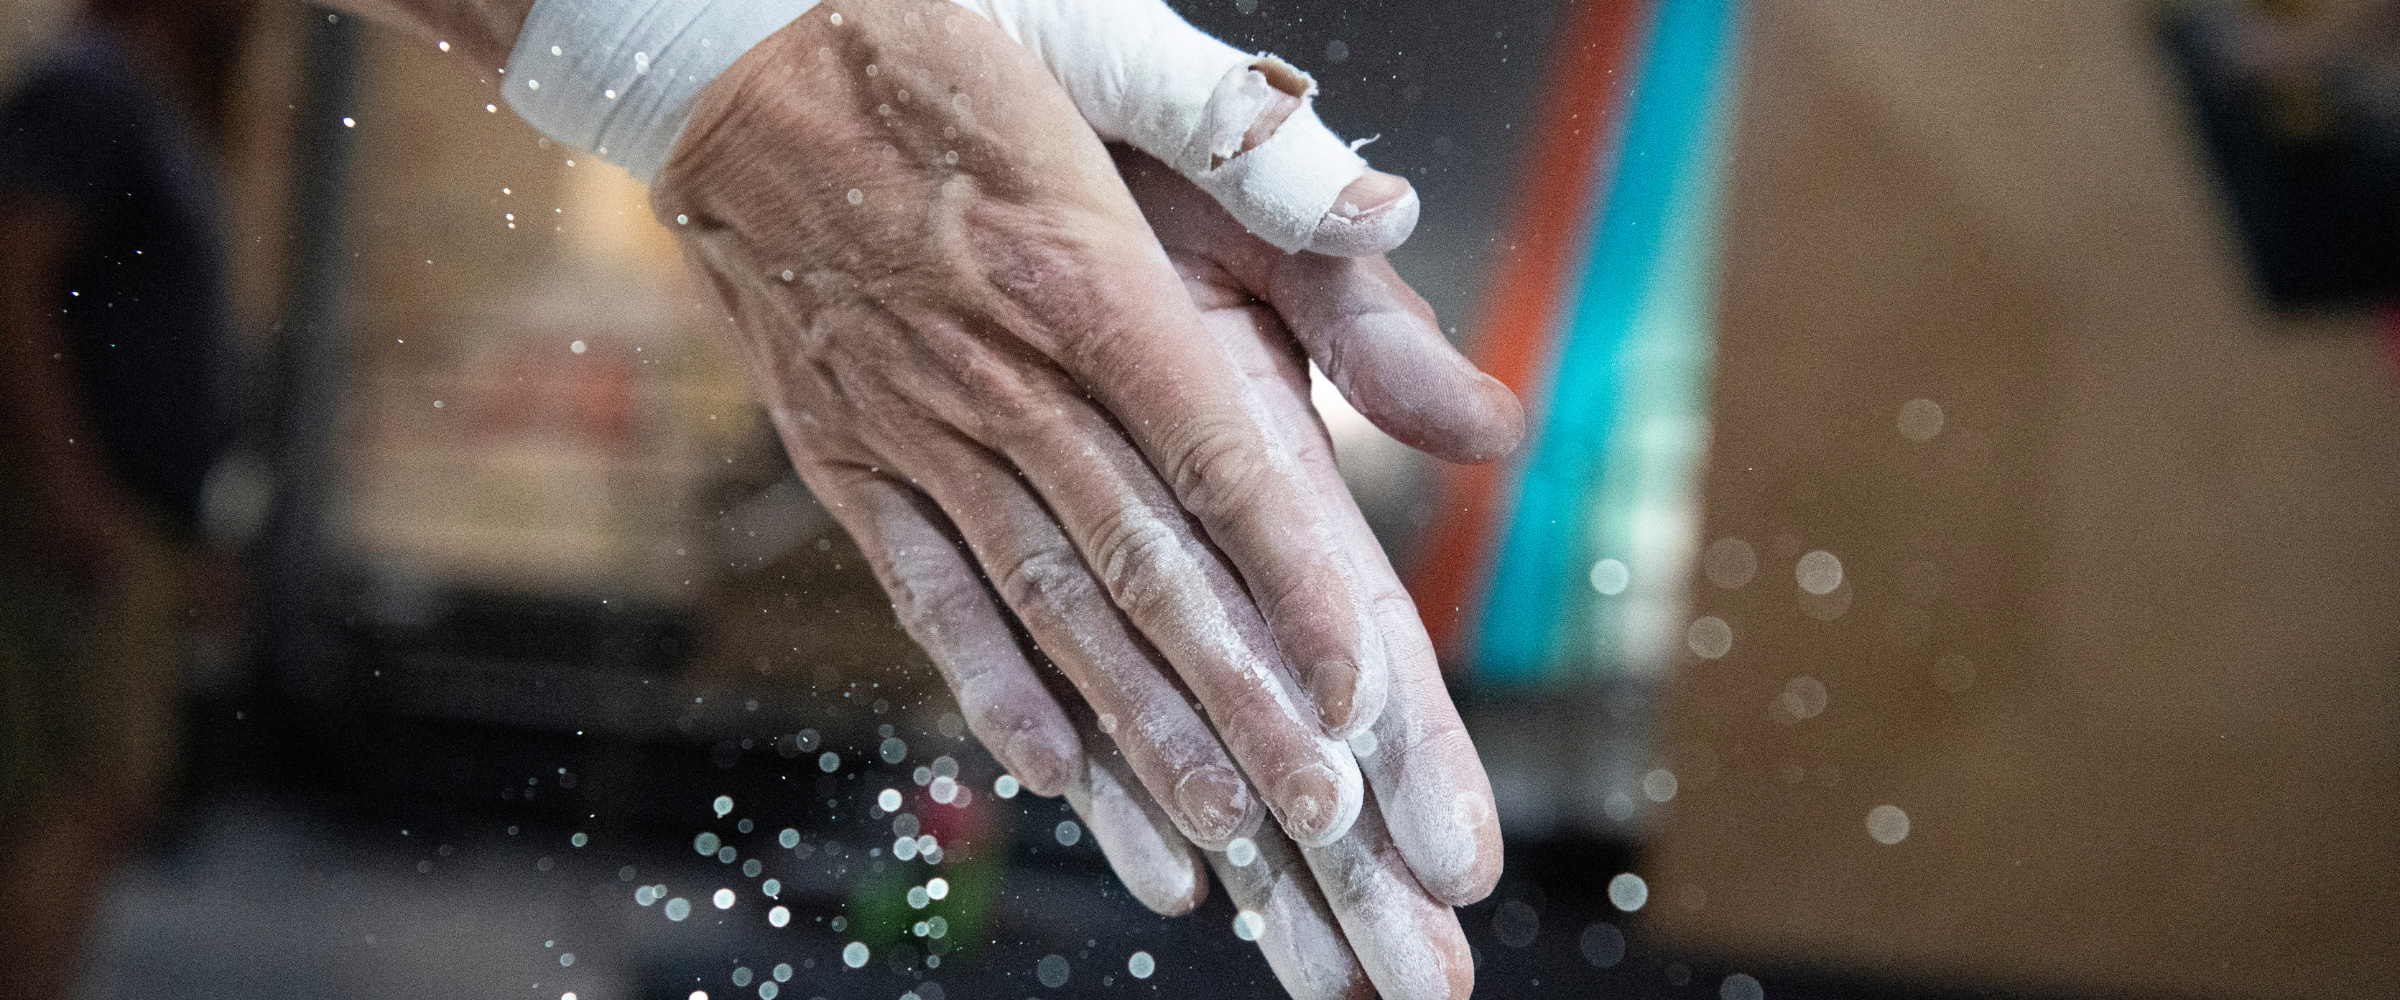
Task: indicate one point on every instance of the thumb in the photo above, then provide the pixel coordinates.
(1240, 126)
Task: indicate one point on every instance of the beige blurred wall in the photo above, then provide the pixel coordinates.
(2163, 529)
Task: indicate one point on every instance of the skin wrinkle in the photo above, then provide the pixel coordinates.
(1365, 639)
(873, 382)
(1114, 670)
(1211, 622)
(1426, 766)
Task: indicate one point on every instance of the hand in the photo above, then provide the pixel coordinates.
(998, 337)
(1369, 912)
(980, 340)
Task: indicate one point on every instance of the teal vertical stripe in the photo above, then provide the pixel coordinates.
(1528, 625)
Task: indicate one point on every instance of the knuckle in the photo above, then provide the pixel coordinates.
(1046, 579)
(928, 595)
(1213, 465)
(1139, 559)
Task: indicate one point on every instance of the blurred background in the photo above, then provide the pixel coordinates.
(1958, 554)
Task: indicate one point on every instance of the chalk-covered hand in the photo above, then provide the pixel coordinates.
(965, 332)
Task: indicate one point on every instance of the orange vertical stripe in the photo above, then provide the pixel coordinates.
(1588, 79)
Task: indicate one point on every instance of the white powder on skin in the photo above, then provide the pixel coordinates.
(1155, 863)
(1410, 944)
(1301, 941)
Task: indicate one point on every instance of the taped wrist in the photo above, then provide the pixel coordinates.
(618, 77)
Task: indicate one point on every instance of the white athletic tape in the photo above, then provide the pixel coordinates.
(618, 77)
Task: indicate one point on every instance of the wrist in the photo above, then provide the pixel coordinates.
(620, 77)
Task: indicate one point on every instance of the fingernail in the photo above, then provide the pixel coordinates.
(1311, 801)
(1372, 192)
(1216, 802)
(1333, 685)
(1373, 215)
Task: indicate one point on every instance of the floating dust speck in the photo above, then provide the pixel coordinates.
(1141, 965)
(1242, 851)
(1610, 577)
(1628, 892)
(1818, 572)
(1803, 698)
(1248, 925)
(888, 800)
(1068, 833)
(1659, 785)
(1730, 563)
(1052, 970)
(1603, 945)
(678, 908)
(854, 954)
(1709, 638)
(1920, 420)
(1887, 824)
(723, 898)
(1005, 787)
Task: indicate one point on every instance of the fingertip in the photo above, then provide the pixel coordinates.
(1317, 804)
(1374, 215)
(1333, 688)
(1217, 807)
(1445, 826)
(1502, 428)
(1045, 761)
(1473, 883)
(1348, 699)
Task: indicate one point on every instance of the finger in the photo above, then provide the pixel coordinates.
(1178, 592)
(1128, 686)
(1242, 126)
(1374, 336)
(941, 601)
(1409, 942)
(1199, 424)
(1278, 905)
(1417, 757)
(1379, 343)
(1158, 866)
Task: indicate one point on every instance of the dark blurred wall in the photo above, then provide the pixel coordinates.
(2122, 638)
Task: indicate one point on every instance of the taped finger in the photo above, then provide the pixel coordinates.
(1243, 126)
